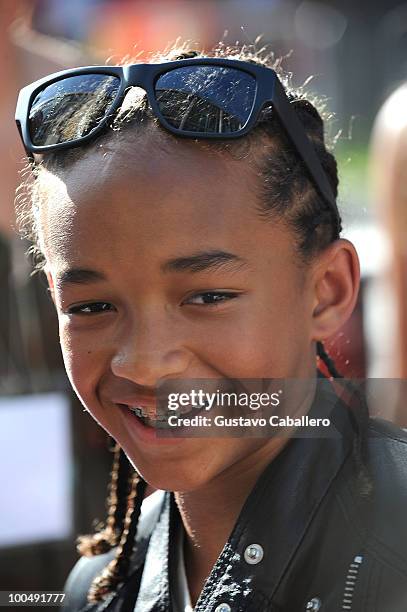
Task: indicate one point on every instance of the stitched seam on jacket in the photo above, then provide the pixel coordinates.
(380, 558)
(386, 434)
(367, 538)
(374, 546)
(312, 517)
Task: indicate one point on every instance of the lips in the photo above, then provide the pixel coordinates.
(146, 407)
(136, 400)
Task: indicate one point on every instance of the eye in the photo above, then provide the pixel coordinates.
(90, 308)
(210, 298)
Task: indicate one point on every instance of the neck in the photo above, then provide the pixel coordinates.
(210, 513)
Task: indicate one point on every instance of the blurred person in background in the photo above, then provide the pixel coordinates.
(389, 193)
(388, 294)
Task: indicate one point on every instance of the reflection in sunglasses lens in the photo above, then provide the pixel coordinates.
(206, 99)
(71, 108)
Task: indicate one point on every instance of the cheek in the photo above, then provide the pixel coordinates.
(81, 360)
(274, 334)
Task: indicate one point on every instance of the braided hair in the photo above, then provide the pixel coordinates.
(125, 496)
(103, 540)
(359, 417)
(296, 200)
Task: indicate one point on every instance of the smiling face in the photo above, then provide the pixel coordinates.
(161, 268)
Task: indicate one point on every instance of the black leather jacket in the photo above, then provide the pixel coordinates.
(325, 545)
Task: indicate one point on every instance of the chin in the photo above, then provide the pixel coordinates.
(170, 479)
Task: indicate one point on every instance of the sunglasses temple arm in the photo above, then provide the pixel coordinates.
(30, 155)
(304, 147)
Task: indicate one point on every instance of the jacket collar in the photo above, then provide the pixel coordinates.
(276, 516)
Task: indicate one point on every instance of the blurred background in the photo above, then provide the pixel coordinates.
(54, 460)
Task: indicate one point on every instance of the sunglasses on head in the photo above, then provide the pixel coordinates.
(210, 98)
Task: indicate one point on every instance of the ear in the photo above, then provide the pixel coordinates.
(336, 277)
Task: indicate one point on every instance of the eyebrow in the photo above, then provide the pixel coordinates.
(197, 262)
(205, 260)
(79, 276)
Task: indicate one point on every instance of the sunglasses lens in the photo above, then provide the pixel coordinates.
(71, 108)
(206, 99)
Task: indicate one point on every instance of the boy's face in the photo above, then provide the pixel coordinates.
(144, 223)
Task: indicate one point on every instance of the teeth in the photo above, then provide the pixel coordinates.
(138, 411)
(154, 420)
(146, 418)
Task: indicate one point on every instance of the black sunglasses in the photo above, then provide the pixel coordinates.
(211, 98)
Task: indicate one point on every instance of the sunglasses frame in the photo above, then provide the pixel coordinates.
(269, 89)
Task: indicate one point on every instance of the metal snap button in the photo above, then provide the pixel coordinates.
(314, 604)
(223, 607)
(253, 554)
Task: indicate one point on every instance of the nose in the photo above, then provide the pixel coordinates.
(149, 352)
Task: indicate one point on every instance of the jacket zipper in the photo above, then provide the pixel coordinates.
(351, 578)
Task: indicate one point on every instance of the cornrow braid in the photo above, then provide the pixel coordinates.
(328, 361)
(297, 201)
(118, 489)
(116, 571)
(119, 495)
(125, 495)
(359, 417)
